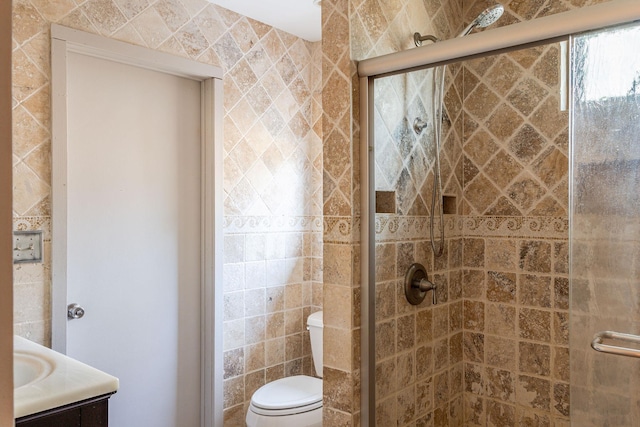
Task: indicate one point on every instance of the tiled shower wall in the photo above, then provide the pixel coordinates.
(272, 180)
(512, 218)
(515, 246)
(515, 227)
(418, 348)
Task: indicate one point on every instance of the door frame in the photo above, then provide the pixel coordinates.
(65, 40)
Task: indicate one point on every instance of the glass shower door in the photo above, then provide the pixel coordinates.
(605, 229)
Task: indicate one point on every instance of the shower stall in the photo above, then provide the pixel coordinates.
(531, 313)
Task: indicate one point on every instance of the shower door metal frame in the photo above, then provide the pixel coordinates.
(550, 29)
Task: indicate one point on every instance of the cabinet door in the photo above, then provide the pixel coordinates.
(95, 414)
(68, 418)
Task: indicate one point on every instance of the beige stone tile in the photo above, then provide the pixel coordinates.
(131, 8)
(274, 350)
(275, 299)
(534, 359)
(233, 392)
(474, 253)
(105, 15)
(500, 352)
(535, 256)
(27, 78)
(473, 346)
(233, 363)
(233, 334)
(501, 287)
(548, 119)
(501, 254)
(338, 389)
(527, 144)
(501, 320)
(533, 392)
(338, 352)
(27, 21)
(254, 302)
(274, 325)
(28, 188)
(527, 95)
(338, 312)
(129, 34)
(502, 169)
(234, 416)
(252, 382)
(500, 414)
(31, 302)
(441, 354)
(337, 264)
(561, 328)
(254, 329)
(551, 166)
(481, 193)
(534, 290)
(385, 378)
(79, 20)
(293, 322)
(440, 321)
(192, 40)
(560, 363)
(474, 410)
(293, 296)
(474, 315)
(535, 324)
(405, 332)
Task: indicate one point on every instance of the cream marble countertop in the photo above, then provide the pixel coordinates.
(60, 379)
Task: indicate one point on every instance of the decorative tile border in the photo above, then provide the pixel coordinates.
(536, 227)
(388, 228)
(403, 228)
(341, 229)
(271, 224)
(400, 228)
(31, 223)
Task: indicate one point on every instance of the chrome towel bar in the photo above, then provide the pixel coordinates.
(597, 344)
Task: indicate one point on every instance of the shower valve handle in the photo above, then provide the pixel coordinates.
(425, 285)
(417, 284)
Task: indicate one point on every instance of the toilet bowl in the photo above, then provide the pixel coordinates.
(292, 401)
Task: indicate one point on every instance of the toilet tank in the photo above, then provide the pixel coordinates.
(314, 325)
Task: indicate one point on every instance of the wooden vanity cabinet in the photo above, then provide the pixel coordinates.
(92, 412)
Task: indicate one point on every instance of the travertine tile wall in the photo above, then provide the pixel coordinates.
(418, 348)
(515, 213)
(272, 179)
(512, 215)
(515, 245)
(341, 300)
(419, 369)
(356, 30)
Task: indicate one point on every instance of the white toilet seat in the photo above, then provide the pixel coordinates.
(287, 402)
(288, 396)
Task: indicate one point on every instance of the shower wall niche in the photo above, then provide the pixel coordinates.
(494, 350)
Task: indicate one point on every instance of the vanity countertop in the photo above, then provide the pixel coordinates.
(59, 380)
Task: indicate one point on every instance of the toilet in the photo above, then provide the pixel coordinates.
(293, 401)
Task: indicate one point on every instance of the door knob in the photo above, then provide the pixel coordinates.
(74, 311)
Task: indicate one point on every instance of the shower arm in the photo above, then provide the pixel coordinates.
(418, 38)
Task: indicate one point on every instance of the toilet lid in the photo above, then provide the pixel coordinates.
(290, 392)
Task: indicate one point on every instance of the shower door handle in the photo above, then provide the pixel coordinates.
(598, 338)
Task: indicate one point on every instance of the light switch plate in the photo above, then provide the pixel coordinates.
(27, 246)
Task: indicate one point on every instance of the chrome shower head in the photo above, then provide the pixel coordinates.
(486, 18)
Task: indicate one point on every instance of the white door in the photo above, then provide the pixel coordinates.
(133, 238)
